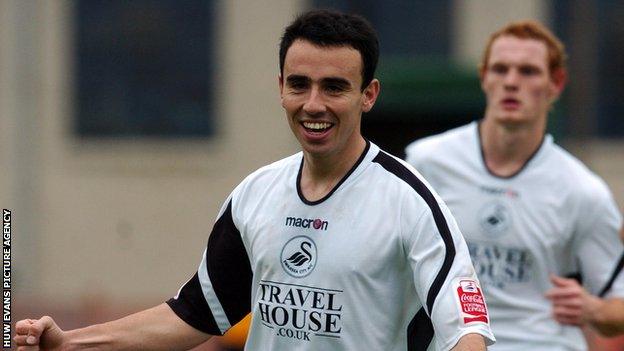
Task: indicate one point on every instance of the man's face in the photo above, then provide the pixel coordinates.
(320, 91)
(517, 82)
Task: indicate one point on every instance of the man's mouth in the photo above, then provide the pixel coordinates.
(510, 103)
(317, 127)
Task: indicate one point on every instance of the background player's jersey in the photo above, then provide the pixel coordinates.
(554, 216)
(361, 269)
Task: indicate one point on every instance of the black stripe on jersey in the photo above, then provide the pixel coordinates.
(192, 308)
(395, 167)
(419, 332)
(312, 203)
(230, 274)
(229, 269)
(617, 271)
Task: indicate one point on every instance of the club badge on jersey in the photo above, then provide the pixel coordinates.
(470, 301)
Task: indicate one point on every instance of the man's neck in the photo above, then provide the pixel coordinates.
(507, 148)
(321, 173)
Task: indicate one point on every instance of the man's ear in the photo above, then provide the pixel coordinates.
(482, 74)
(370, 94)
(558, 79)
(280, 83)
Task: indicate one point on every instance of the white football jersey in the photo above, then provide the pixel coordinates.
(553, 216)
(377, 264)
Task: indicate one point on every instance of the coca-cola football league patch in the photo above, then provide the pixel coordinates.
(470, 301)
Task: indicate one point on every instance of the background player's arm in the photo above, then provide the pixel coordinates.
(608, 318)
(236, 337)
(157, 328)
(470, 342)
(573, 305)
(608, 314)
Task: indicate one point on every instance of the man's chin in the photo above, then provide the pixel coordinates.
(512, 119)
(317, 150)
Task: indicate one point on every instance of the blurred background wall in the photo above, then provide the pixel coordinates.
(124, 125)
(115, 214)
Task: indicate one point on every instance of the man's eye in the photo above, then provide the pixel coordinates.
(298, 86)
(498, 69)
(528, 71)
(334, 88)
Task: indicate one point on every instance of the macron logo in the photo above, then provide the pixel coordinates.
(306, 223)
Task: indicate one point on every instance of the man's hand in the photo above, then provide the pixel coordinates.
(572, 304)
(154, 329)
(38, 334)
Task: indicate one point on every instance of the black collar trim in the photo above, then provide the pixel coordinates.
(355, 166)
(513, 174)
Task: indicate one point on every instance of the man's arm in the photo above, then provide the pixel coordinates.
(470, 342)
(157, 328)
(573, 305)
(608, 318)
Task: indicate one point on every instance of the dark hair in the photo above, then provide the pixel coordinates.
(330, 28)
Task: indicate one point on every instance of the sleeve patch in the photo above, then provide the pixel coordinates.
(470, 302)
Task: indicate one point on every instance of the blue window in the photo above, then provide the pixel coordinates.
(405, 27)
(593, 35)
(144, 68)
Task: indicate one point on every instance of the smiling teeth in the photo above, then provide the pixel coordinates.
(316, 125)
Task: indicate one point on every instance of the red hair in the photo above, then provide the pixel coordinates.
(530, 29)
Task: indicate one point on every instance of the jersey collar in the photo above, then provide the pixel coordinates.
(546, 139)
(342, 180)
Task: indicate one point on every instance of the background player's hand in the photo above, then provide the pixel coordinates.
(38, 334)
(572, 304)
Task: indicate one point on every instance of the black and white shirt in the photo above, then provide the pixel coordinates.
(553, 216)
(377, 264)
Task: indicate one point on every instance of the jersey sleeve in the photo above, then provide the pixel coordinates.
(219, 293)
(444, 277)
(598, 247)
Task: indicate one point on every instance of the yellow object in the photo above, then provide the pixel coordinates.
(236, 336)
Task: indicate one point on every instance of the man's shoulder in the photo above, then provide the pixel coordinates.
(410, 182)
(284, 163)
(280, 168)
(585, 182)
(441, 145)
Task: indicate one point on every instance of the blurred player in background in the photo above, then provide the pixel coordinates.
(338, 247)
(532, 214)
(234, 339)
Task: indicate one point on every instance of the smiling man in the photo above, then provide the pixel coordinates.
(532, 214)
(338, 247)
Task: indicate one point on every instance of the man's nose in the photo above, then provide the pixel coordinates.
(511, 79)
(314, 104)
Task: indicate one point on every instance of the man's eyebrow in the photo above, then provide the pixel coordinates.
(530, 65)
(337, 81)
(297, 79)
(497, 63)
